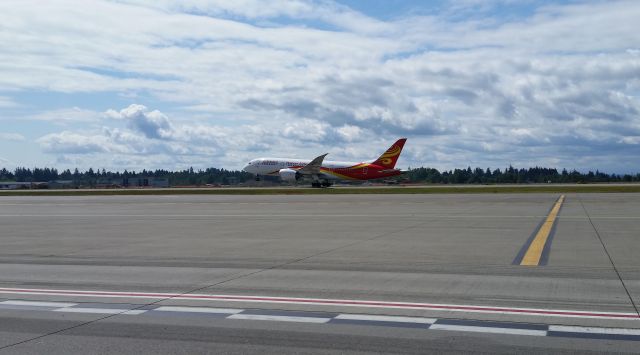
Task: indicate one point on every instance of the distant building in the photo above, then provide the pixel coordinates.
(15, 185)
(160, 182)
(145, 182)
(10, 185)
(107, 183)
(61, 184)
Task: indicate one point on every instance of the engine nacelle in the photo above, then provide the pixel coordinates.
(289, 175)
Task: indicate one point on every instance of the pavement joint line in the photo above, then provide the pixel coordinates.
(537, 247)
(442, 324)
(613, 264)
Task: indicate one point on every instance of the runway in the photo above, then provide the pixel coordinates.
(453, 262)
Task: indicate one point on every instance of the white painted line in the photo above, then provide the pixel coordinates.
(467, 328)
(134, 312)
(198, 310)
(331, 302)
(280, 318)
(38, 303)
(75, 215)
(101, 311)
(386, 318)
(593, 330)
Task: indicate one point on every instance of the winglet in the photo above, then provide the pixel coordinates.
(314, 166)
(389, 158)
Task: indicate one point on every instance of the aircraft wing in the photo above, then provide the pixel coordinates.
(313, 168)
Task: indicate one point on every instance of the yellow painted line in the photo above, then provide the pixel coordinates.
(534, 253)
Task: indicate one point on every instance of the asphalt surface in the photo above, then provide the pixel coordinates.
(455, 250)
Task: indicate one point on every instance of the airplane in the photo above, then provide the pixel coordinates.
(322, 172)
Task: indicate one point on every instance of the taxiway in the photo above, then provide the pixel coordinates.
(440, 258)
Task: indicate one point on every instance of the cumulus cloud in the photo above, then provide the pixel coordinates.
(186, 142)
(350, 133)
(306, 129)
(148, 134)
(153, 124)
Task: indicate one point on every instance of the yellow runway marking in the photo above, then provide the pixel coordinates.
(534, 253)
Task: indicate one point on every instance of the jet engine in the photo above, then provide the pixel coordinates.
(289, 175)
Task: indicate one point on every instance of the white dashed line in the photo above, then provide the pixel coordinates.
(198, 310)
(467, 328)
(38, 303)
(101, 311)
(280, 318)
(366, 317)
(593, 330)
(631, 334)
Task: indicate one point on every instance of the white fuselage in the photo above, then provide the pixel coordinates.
(272, 166)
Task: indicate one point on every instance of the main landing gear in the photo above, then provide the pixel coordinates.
(324, 183)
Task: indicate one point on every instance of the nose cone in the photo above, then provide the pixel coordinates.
(249, 168)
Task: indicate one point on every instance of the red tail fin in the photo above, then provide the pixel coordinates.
(390, 157)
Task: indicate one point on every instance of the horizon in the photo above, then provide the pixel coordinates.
(138, 171)
(173, 84)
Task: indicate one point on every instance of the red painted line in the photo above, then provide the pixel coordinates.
(319, 301)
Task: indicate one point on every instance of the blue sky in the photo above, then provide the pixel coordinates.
(134, 84)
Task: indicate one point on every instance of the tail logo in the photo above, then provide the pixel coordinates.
(386, 158)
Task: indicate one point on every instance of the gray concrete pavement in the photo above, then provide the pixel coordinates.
(453, 249)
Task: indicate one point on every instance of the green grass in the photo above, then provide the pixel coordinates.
(470, 189)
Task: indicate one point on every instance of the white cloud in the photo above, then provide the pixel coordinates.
(152, 124)
(11, 136)
(7, 102)
(74, 143)
(560, 85)
(311, 130)
(631, 140)
(350, 133)
(67, 115)
(189, 144)
(148, 134)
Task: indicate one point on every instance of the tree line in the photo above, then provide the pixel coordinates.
(512, 175)
(92, 177)
(191, 176)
